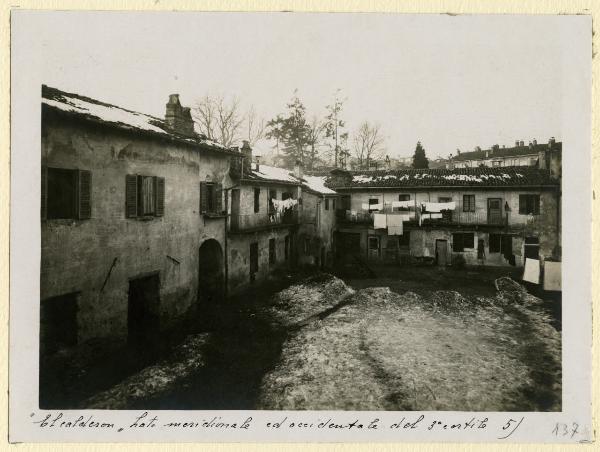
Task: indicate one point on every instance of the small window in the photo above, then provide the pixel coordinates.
(272, 255)
(326, 203)
(144, 196)
(529, 204)
(496, 163)
(404, 197)
(468, 203)
(462, 241)
(66, 194)
(373, 204)
(333, 201)
(256, 200)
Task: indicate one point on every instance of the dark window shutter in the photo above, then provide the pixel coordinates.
(85, 195)
(522, 204)
(203, 197)
(44, 193)
(160, 196)
(218, 193)
(131, 196)
(536, 204)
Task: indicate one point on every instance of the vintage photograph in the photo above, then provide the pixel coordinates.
(301, 212)
(307, 213)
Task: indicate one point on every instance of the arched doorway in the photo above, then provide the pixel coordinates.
(211, 282)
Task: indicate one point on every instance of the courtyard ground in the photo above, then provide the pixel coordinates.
(408, 339)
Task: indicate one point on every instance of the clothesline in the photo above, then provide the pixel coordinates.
(284, 204)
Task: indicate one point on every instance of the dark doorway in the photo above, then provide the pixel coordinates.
(210, 273)
(58, 323)
(532, 247)
(441, 252)
(143, 320)
(348, 243)
(253, 261)
(323, 258)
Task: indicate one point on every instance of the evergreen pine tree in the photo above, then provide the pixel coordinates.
(420, 161)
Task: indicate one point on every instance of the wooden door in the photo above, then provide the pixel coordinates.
(373, 247)
(494, 215)
(441, 252)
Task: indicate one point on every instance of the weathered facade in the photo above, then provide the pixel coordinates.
(263, 221)
(520, 154)
(122, 233)
(317, 222)
(498, 217)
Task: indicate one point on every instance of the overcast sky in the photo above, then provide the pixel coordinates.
(448, 81)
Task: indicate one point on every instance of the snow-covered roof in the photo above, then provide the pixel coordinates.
(482, 176)
(317, 184)
(272, 173)
(119, 117)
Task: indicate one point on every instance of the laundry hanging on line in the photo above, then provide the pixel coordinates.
(284, 204)
(380, 221)
(438, 206)
(402, 204)
(395, 224)
(552, 275)
(532, 271)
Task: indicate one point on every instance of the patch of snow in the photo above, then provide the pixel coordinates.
(360, 179)
(106, 113)
(274, 173)
(115, 114)
(317, 183)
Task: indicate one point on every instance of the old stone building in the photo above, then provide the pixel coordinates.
(487, 216)
(133, 225)
(263, 220)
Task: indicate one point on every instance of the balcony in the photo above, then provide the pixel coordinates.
(262, 221)
(449, 218)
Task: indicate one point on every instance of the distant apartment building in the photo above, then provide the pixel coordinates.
(486, 216)
(520, 154)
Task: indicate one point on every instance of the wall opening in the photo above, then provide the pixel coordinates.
(58, 323)
(253, 261)
(211, 277)
(143, 319)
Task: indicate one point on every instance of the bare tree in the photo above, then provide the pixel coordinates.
(368, 144)
(219, 119)
(316, 133)
(255, 126)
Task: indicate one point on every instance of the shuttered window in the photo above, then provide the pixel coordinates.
(144, 196)
(66, 194)
(211, 198)
(462, 240)
(468, 203)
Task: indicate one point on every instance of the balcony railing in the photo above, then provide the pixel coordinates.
(453, 217)
(262, 220)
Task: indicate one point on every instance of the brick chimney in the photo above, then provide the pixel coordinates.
(298, 173)
(178, 118)
(246, 157)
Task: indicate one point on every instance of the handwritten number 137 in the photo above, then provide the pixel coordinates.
(561, 429)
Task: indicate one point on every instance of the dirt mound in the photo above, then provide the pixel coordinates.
(154, 380)
(447, 301)
(511, 292)
(309, 298)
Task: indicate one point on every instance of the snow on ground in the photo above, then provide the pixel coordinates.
(385, 351)
(155, 380)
